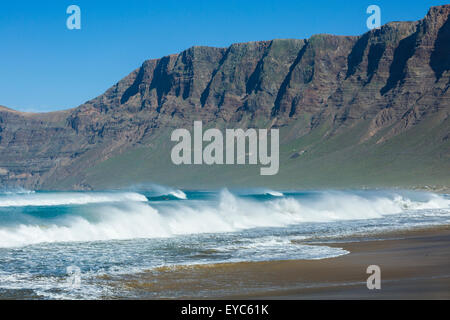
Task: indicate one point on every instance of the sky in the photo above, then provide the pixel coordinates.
(44, 66)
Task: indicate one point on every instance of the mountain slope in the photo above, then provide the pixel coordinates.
(359, 111)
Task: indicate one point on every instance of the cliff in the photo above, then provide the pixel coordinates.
(370, 110)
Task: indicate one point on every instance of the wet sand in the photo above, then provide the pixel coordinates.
(414, 265)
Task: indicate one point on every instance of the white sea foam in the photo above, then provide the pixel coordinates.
(434, 202)
(67, 198)
(274, 193)
(157, 190)
(178, 194)
(277, 248)
(133, 219)
(16, 191)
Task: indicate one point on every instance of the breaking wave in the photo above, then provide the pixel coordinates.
(156, 191)
(66, 198)
(178, 194)
(133, 217)
(274, 193)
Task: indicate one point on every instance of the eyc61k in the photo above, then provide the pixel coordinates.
(244, 309)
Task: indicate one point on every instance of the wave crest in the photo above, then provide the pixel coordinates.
(134, 219)
(67, 198)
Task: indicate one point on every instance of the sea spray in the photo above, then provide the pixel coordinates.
(131, 216)
(67, 198)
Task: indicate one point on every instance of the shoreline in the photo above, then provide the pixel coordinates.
(415, 264)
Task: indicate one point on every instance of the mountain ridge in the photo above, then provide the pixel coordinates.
(373, 88)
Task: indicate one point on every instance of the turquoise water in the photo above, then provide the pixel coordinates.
(44, 236)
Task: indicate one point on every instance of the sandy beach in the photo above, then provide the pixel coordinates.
(414, 265)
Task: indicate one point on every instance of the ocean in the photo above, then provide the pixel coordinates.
(82, 245)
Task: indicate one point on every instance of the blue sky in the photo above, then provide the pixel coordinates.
(44, 66)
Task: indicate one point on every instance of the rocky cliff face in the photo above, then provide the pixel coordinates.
(374, 88)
